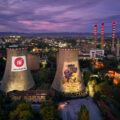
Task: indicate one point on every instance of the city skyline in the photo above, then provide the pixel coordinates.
(58, 15)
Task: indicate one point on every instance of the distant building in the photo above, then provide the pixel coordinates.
(96, 53)
(110, 56)
(84, 56)
(12, 38)
(36, 50)
(87, 47)
(13, 46)
(62, 44)
(92, 54)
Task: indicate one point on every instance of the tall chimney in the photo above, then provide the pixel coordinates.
(118, 47)
(113, 36)
(95, 34)
(102, 36)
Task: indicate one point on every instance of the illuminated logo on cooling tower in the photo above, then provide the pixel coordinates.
(19, 63)
(71, 81)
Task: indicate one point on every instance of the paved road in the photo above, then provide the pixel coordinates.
(71, 110)
(36, 106)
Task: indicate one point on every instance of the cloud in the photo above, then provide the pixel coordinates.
(56, 15)
(25, 22)
(2, 27)
(40, 25)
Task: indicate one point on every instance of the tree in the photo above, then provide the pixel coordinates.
(3, 110)
(86, 77)
(26, 115)
(3, 113)
(97, 96)
(85, 64)
(48, 112)
(83, 114)
(2, 67)
(110, 64)
(22, 112)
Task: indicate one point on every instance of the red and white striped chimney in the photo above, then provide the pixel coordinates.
(113, 36)
(102, 36)
(95, 34)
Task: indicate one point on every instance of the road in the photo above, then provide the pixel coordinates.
(71, 110)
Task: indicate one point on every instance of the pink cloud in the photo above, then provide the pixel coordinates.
(2, 27)
(38, 25)
(25, 22)
(48, 26)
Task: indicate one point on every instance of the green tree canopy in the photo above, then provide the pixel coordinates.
(86, 77)
(22, 112)
(83, 114)
(49, 112)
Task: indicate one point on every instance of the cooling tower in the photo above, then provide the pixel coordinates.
(33, 61)
(57, 58)
(17, 75)
(68, 76)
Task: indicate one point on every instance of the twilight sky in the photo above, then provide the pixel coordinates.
(58, 15)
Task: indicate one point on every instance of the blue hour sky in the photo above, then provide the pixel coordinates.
(58, 15)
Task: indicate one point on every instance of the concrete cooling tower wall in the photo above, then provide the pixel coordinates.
(17, 75)
(68, 77)
(33, 61)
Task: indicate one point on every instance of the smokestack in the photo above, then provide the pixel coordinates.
(113, 36)
(17, 75)
(68, 77)
(118, 47)
(95, 34)
(102, 36)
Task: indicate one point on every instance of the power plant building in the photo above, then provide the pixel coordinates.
(17, 75)
(68, 77)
